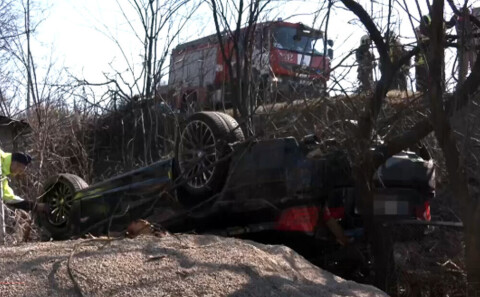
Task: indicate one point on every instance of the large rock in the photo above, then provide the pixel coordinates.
(183, 265)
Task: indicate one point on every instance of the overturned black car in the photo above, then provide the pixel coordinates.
(267, 190)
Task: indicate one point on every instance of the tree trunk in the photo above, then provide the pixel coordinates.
(384, 262)
(472, 250)
(462, 62)
(449, 144)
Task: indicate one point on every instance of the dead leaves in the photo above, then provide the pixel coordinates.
(142, 227)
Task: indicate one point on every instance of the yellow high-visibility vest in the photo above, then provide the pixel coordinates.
(6, 159)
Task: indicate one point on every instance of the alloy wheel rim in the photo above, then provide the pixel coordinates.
(60, 204)
(197, 154)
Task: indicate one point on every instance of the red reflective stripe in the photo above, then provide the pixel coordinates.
(298, 219)
(423, 211)
(426, 214)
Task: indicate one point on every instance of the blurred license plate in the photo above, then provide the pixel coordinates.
(390, 205)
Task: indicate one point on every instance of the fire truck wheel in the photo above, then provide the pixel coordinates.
(58, 195)
(202, 156)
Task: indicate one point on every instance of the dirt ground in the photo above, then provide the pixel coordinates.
(174, 265)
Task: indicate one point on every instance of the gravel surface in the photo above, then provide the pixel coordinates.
(174, 265)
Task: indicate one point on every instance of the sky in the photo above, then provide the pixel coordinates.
(77, 33)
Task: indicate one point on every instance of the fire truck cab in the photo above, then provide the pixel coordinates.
(287, 60)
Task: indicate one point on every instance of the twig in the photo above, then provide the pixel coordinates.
(154, 258)
(76, 286)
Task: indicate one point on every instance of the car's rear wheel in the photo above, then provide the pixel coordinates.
(58, 195)
(202, 154)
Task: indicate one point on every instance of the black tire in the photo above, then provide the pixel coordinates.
(235, 131)
(201, 167)
(57, 222)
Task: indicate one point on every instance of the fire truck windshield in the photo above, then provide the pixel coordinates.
(286, 38)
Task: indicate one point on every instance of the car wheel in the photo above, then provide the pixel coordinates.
(235, 131)
(58, 195)
(201, 155)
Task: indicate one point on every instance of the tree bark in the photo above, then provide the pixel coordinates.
(448, 143)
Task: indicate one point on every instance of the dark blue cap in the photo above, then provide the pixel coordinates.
(22, 158)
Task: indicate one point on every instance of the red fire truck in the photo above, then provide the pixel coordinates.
(287, 58)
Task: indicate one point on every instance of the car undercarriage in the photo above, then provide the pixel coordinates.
(269, 190)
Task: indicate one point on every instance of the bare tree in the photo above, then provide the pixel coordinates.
(9, 18)
(155, 26)
(443, 109)
(235, 24)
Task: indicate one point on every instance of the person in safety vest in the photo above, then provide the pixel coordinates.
(423, 33)
(421, 69)
(466, 39)
(366, 64)
(396, 52)
(15, 164)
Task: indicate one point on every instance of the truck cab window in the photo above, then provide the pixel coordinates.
(287, 38)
